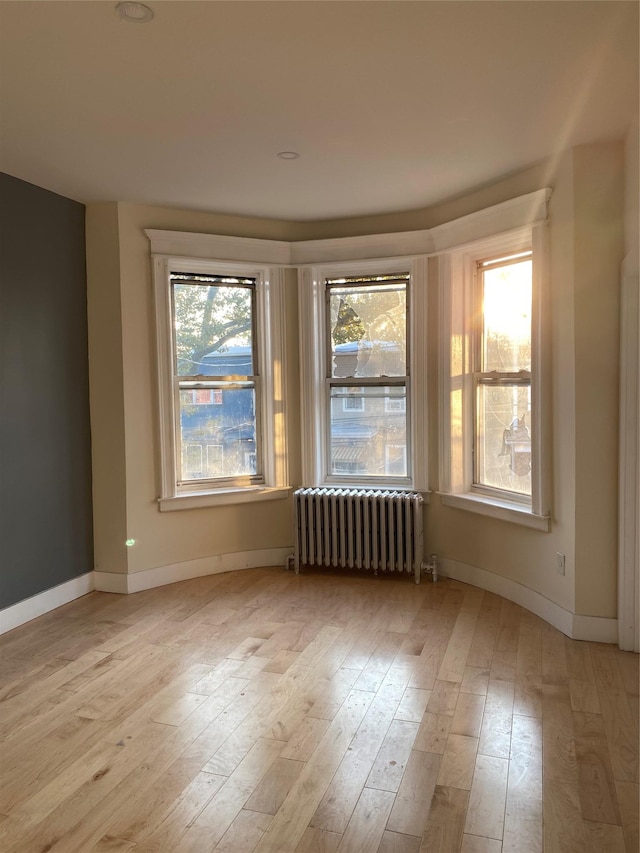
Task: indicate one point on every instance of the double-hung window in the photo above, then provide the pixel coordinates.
(221, 376)
(366, 336)
(494, 394)
(502, 376)
(364, 378)
(216, 378)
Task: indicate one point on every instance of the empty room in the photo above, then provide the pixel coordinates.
(320, 469)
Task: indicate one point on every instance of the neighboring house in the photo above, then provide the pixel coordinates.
(218, 425)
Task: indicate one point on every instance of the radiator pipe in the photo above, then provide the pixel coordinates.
(431, 566)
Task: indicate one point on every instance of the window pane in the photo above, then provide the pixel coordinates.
(507, 317)
(368, 329)
(213, 328)
(368, 432)
(504, 439)
(218, 438)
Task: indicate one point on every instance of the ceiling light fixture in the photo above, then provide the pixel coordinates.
(134, 13)
(288, 155)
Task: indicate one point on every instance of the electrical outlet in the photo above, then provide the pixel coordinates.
(560, 560)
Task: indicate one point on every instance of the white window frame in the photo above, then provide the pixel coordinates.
(313, 357)
(177, 252)
(458, 302)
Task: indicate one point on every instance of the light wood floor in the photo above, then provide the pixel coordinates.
(260, 711)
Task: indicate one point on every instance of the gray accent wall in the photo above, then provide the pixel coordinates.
(45, 440)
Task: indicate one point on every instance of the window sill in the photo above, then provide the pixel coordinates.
(503, 510)
(223, 497)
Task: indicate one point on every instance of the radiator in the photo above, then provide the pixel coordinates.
(359, 529)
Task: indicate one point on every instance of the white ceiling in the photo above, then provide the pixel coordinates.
(391, 105)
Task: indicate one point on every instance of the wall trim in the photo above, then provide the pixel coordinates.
(163, 575)
(513, 213)
(596, 629)
(37, 605)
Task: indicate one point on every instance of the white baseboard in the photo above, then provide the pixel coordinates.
(578, 627)
(162, 575)
(594, 628)
(37, 605)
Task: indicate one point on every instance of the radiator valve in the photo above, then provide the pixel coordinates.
(432, 567)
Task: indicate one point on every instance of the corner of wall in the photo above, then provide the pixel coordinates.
(106, 380)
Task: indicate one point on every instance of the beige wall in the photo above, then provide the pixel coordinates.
(119, 272)
(598, 254)
(106, 378)
(586, 238)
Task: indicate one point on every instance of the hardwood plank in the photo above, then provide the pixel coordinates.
(468, 715)
(293, 816)
(366, 827)
(411, 807)
(445, 824)
(598, 797)
(529, 651)
(455, 658)
(628, 801)
(413, 704)
(112, 844)
(444, 698)
(317, 840)
(305, 739)
(476, 844)
(392, 757)
(527, 698)
(430, 660)
(72, 809)
(620, 725)
(343, 792)
(562, 819)
(495, 734)
(475, 680)
(554, 657)
(603, 836)
(244, 833)
(523, 813)
(162, 830)
(274, 786)
(486, 633)
(458, 762)
(223, 808)
(503, 665)
(509, 627)
(433, 732)
(487, 798)
(392, 842)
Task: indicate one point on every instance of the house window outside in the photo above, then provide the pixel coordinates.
(366, 339)
(353, 401)
(215, 375)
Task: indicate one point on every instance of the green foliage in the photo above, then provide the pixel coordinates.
(349, 327)
(208, 317)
